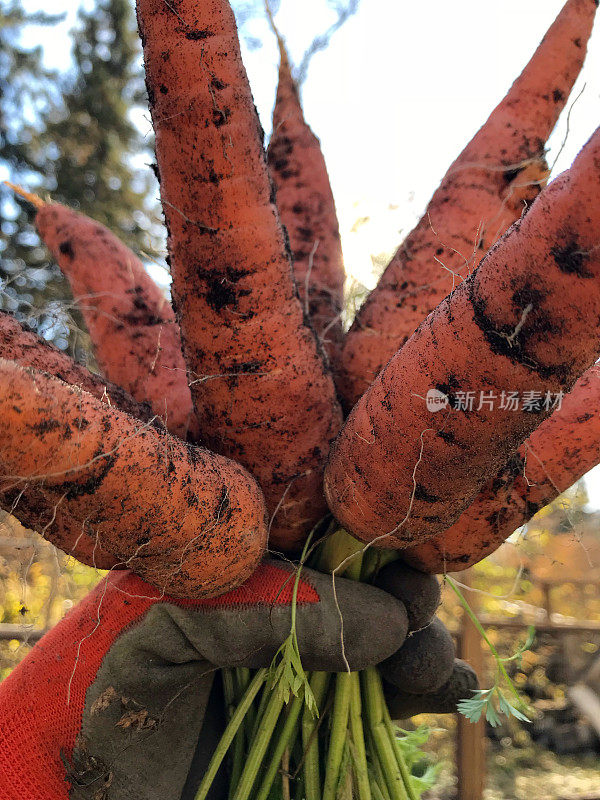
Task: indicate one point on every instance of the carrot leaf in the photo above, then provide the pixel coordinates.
(491, 702)
(286, 673)
(473, 707)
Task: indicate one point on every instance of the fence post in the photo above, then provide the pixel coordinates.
(470, 737)
(547, 598)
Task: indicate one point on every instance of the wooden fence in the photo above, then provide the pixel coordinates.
(471, 740)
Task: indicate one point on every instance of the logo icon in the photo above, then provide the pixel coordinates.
(436, 400)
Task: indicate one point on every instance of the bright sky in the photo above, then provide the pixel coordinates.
(398, 93)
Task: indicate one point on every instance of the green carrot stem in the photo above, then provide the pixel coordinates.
(228, 679)
(303, 558)
(370, 564)
(285, 772)
(285, 740)
(259, 747)
(338, 548)
(372, 696)
(376, 699)
(310, 740)
(229, 733)
(237, 763)
(243, 677)
(264, 699)
(484, 636)
(404, 771)
(374, 706)
(378, 779)
(389, 765)
(344, 784)
(376, 792)
(374, 558)
(337, 737)
(229, 693)
(358, 740)
(349, 554)
(353, 567)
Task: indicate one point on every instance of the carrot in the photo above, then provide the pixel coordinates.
(486, 189)
(28, 350)
(557, 454)
(74, 538)
(307, 210)
(524, 321)
(131, 322)
(261, 390)
(186, 520)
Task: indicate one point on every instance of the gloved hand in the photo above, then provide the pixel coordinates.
(460, 685)
(110, 704)
(423, 676)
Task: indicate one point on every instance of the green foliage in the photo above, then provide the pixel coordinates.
(287, 677)
(72, 137)
(517, 655)
(473, 707)
(483, 701)
(493, 702)
(423, 772)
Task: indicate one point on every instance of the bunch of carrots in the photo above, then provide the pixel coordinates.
(217, 428)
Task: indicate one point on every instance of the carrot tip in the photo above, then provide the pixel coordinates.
(280, 41)
(34, 199)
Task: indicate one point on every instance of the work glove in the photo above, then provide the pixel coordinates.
(460, 685)
(423, 676)
(112, 703)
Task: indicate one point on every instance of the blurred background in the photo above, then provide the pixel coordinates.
(394, 91)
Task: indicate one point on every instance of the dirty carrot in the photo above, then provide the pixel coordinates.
(486, 189)
(558, 453)
(307, 209)
(261, 390)
(30, 350)
(23, 346)
(524, 321)
(131, 323)
(190, 522)
(31, 508)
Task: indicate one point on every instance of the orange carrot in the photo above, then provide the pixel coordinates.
(28, 350)
(261, 390)
(485, 190)
(74, 538)
(557, 454)
(131, 322)
(307, 209)
(524, 321)
(188, 521)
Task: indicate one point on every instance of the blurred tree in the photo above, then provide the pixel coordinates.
(74, 138)
(27, 92)
(98, 157)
